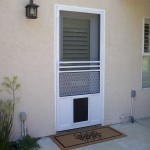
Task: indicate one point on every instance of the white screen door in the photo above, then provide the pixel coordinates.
(79, 101)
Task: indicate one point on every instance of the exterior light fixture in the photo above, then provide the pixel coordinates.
(31, 10)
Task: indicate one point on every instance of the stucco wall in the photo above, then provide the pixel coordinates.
(27, 50)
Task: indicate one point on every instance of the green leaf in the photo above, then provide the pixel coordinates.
(17, 86)
(7, 85)
(14, 79)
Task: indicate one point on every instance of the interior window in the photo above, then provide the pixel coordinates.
(80, 37)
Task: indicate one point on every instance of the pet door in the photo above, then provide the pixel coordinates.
(80, 107)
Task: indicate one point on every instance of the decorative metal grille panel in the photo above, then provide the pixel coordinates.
(79, 83)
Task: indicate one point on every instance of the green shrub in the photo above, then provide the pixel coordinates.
(6, 121)
(28, 143)
(7, 112)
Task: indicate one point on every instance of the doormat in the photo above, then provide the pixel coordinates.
(70, 140)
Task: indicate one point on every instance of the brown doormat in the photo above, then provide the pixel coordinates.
(70, 140)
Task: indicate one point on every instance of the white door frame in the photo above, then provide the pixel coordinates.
(58, 9)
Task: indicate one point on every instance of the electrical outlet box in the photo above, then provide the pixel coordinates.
(23, 116)
(133, 93)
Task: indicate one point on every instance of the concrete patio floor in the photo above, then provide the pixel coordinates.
(138, 138)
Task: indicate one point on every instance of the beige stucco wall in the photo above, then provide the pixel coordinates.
(27, 50)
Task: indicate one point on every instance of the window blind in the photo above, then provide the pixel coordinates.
(76, 40)
(147, 37)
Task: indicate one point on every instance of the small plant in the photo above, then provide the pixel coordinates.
(28, 143)
(10, 86)
(7, 112)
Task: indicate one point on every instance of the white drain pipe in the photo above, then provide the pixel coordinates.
(23, 125)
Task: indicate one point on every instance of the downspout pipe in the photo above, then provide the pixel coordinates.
(23, 117)
(133, 94)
